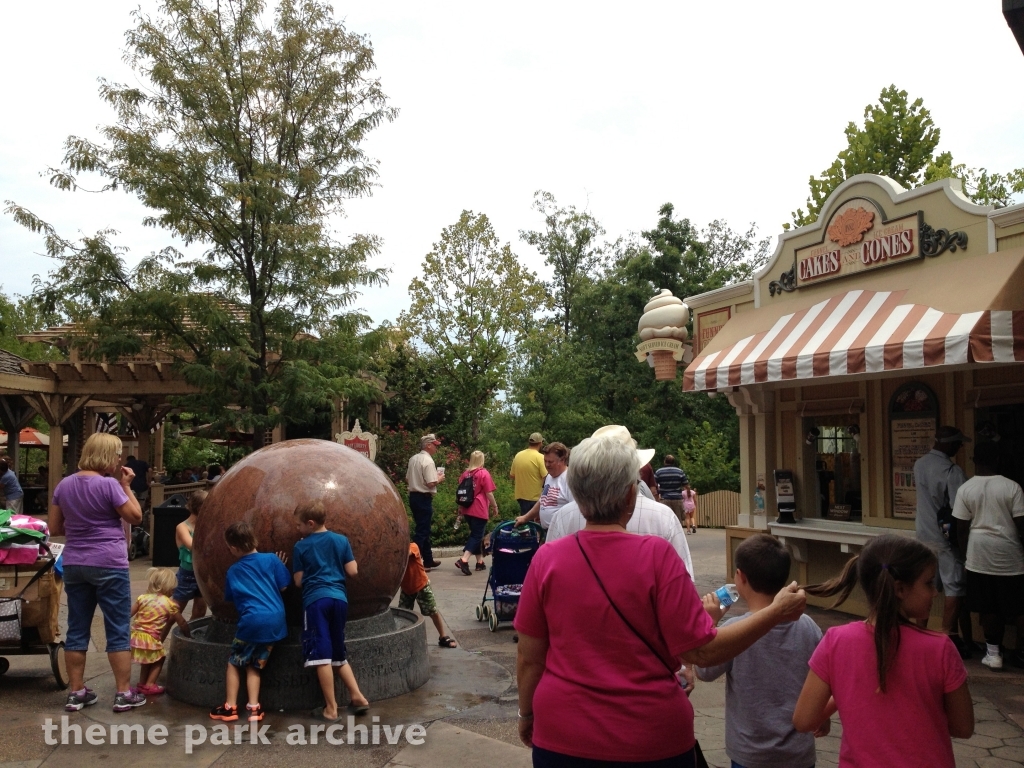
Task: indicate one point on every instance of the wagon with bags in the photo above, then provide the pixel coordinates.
(512, 549)
(30, 590)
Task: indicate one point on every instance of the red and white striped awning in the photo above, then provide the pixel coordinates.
(860, 332)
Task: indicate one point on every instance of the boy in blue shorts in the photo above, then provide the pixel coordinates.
(320, 562)
(254, 584)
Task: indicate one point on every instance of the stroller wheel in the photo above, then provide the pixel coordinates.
(479, 613)
(486, 612)
(492, 622)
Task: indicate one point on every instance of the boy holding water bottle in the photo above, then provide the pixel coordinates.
(764, 682)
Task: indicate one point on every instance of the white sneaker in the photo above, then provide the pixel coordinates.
(993, 661)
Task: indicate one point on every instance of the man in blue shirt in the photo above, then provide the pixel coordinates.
(254, 584)
(10, 488)
(671, 480)
(320, 562)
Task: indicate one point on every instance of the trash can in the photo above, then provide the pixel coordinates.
(166, 517)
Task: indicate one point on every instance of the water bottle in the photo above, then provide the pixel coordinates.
(727, 594)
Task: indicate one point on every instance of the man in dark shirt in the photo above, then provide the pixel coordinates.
(671, 480)
(140, 483)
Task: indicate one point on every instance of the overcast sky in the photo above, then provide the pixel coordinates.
(722, 108)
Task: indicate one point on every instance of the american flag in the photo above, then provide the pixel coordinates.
(106, 422)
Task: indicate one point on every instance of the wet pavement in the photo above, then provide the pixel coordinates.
(468, 708)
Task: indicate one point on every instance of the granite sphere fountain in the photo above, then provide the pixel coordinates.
(386, 646)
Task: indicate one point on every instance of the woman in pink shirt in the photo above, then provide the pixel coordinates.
(900, 691)
(477, 513)
(605, 620)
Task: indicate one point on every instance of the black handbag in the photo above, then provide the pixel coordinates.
(699, 760)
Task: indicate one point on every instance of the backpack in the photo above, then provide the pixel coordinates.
(465, 494)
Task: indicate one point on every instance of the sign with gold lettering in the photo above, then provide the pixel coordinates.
(709, 324)
(858, 238)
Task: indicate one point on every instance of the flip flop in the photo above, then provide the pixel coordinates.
(358, 709)
(318, 713)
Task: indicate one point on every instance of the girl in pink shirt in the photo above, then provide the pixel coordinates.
(901, 692)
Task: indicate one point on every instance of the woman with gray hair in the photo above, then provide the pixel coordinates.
(605, 621)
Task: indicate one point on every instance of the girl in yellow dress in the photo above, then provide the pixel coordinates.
(151, 621)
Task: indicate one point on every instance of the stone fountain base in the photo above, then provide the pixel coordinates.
(388, 654)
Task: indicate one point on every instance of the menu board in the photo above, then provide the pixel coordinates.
(913, 416)
(911, 439)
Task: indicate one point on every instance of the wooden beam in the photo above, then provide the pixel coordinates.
(14, 383)
(56, 460)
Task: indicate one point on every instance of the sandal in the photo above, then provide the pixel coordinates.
(318, 713)
(446, 642)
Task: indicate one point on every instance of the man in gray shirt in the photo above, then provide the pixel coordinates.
(937, 480)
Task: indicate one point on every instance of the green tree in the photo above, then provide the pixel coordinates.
(709, 461)
(897, 140)
(20, 315)
(243, 137)
(471, 306)
(569, 245)
(979, 184)
(567, 387)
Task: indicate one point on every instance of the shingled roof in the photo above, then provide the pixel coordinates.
(11, 363)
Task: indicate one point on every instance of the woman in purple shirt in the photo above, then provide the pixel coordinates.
(91, 508)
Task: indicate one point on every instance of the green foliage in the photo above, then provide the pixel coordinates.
(21, 315)
(898, 140)
(566, 388)
(709, 462)
(415, 379)
(244, 136)
(981, 186)
(569, 246)
(185, 452)
(470, 307)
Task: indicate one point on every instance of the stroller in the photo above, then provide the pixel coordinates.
(512, 549)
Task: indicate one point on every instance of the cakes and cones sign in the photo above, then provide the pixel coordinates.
(857, 238)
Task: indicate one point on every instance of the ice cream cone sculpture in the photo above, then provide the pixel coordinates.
(663, 334)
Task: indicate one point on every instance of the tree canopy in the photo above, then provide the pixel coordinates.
(569, 244)
(898, 140)
(471, 305)
(243, 137)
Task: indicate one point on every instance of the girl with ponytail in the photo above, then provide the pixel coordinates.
(900, 691)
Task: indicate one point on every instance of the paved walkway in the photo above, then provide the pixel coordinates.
(468, 707)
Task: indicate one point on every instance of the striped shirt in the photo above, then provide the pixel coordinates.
(671, 481)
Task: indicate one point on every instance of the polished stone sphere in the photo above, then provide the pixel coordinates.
(265, 488)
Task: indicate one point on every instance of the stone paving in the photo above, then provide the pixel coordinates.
(469, 705)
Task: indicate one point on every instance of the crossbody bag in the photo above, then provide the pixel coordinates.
(698, 755)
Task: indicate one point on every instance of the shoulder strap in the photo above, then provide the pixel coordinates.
(615, 608)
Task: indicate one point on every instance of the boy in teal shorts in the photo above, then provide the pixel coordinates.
(320, 562)
(254, 584)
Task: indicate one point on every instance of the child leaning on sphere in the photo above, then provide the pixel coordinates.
(321, 560)
(152, 615)
(901, 691)
(187, 587)
(254, 584)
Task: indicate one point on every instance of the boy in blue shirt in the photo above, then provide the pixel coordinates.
(321, 560)
(254, 584)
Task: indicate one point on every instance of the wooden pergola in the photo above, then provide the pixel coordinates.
(68, 393)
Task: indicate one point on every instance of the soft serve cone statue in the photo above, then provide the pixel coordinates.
(662, 330)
